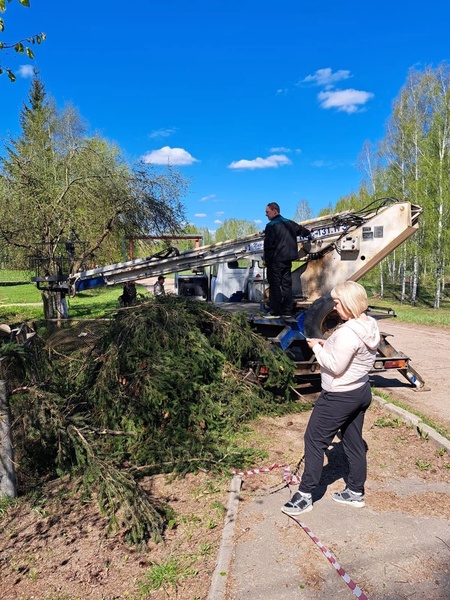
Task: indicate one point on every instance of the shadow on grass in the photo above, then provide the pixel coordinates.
(91, 310)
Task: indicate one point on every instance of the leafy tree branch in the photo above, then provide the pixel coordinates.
(21, 46)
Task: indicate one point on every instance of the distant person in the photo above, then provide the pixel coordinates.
(280, 249)
(129, 294)
(64, 306)
(345, 360)
(158, 288)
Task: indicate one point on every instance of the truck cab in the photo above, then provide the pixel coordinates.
(230, 281)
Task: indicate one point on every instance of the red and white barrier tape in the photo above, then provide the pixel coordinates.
(294, 480)
(351, 584)
(287, 476)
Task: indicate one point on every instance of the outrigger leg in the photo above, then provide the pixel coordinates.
(393, 358)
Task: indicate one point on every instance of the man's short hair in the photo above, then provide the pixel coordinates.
(274, 206)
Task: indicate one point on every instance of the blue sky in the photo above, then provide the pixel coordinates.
(256, 101)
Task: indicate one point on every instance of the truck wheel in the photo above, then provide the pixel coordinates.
(321, 319)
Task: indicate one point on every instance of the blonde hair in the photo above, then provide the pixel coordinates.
(352, 296)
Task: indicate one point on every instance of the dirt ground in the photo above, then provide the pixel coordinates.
(429, 350)
(55, 548)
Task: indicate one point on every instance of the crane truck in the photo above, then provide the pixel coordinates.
(343, 246)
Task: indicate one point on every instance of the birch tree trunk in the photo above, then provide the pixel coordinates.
(414, 279)
(403, 278)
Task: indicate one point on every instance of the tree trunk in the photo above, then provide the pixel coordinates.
(61, 307)
(49, 308)
(414, 279)
(403, 279)
(7, 471)
(437, 292)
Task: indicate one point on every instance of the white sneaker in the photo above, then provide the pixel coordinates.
(349, 497)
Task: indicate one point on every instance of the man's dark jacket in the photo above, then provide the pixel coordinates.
(280, 240)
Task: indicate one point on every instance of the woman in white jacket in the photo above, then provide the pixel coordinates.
(345, 359)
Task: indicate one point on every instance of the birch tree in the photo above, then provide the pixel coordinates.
(401, 152)
(437, 165)
(64, 193)
(303, 211)
(231, 229)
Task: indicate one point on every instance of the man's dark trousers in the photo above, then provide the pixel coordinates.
(279, 278)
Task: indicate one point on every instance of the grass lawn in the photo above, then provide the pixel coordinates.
(422, 313)
(22, 302)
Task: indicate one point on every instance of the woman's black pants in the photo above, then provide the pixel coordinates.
(334, 411)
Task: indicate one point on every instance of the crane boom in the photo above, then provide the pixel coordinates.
(171, 261)
(343, 246)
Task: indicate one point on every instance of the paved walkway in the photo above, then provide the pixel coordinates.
(266, 555)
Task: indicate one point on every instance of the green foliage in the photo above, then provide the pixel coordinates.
(234, 228)
(387, 421)
(176, 367)
(423, 465)
(167, 575)
(6, 503)
(412, 161)
(128, 507)
(76, 188)
(160, 388)
(19, 46)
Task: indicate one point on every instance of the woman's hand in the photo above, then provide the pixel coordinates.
(312, 341)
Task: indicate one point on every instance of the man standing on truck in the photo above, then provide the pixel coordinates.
(280, 249)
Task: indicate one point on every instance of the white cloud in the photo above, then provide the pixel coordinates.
(200, 215)
(220, 213)
(205, 198)
(280, 149)
(218, 222)
(326, 77)
(320, 164)
(271, 162)
(163, 132)
(26, 71)
(348, 101)
(257, 221)
(169, 156)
